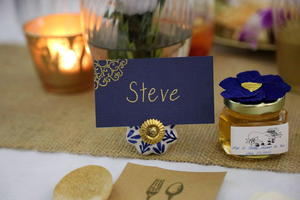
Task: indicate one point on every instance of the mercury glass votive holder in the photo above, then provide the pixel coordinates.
(59, 53)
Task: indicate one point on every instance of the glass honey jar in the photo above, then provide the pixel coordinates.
(254, 130)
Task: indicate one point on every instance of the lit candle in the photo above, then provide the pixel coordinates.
(61, 57)
(67, 58)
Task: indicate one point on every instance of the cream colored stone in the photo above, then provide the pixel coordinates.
(86, 183)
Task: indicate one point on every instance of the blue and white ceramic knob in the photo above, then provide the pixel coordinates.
(152, 137)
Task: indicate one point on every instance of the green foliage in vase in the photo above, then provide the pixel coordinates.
(137, 33)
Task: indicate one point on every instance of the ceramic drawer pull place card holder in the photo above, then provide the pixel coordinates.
(152, 137)
(150, 95)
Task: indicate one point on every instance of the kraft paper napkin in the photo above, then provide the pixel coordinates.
(139, 182)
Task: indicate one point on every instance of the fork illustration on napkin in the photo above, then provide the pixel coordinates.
(154, 188)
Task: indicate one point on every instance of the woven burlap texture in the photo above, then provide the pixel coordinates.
(33, 119)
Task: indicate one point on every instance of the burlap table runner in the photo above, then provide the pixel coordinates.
(32, 119)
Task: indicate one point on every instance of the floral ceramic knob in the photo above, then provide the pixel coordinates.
(152, 137)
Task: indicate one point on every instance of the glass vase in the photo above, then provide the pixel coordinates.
(203, 23)
(286, 16)
(137, 29)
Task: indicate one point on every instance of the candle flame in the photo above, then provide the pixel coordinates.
(66, 57)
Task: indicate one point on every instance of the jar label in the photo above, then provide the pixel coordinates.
(259, 140)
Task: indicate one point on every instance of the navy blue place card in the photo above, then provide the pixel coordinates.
(172, 90)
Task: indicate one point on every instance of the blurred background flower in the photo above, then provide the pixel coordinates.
(245, 24)
(258, 23)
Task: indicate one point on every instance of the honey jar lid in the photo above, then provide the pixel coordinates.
(255, 109)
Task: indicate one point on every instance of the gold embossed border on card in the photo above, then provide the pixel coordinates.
(106, 71)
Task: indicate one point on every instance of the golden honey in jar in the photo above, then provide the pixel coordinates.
(254, 130)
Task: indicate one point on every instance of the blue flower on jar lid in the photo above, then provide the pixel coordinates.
(250, 88)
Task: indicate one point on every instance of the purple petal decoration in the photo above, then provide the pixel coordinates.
(266, 18)
(249, 36)
(257, 23)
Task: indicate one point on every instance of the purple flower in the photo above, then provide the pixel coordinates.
(257, 23)
(266, 18)
(250, 88)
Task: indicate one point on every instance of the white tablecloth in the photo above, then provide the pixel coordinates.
(30, 175)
